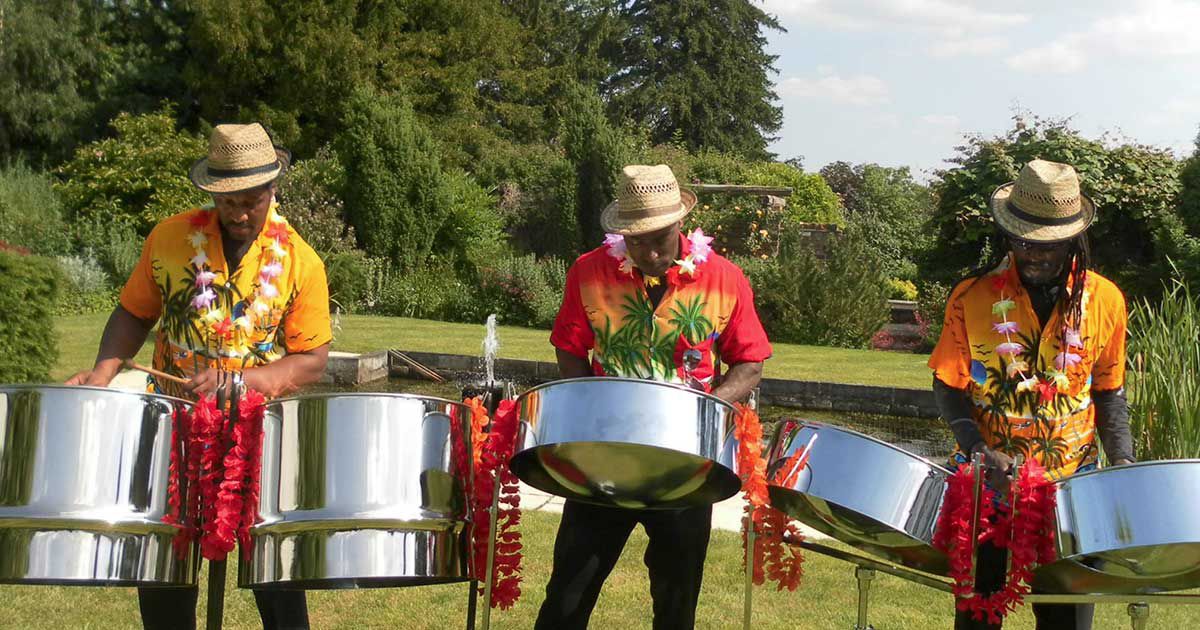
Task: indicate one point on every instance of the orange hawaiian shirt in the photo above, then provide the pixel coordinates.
(206, 316)
(607, 311)
(1031, 383)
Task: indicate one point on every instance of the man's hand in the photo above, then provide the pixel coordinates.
(996, 467)
(1122, 462)
(99, 376)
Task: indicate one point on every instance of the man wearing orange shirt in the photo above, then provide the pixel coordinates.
(233, 288)
(1031, 360)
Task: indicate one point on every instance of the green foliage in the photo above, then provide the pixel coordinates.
(395, 198)
(522, 290)
(840, 302)
(473, 232)
(139, 176)
(30, 211)
(1134, 187)
(931, 311)
(697, 70)
(811, 201)
(85, 287)
(309, 198)
(1165, 377)
(901, 289)
(349, 273)
(29, 286)
(597, 150)
(429, 293)
(889, 208)
(114, 245)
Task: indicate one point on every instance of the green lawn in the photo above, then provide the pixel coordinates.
(826, 599)
(80, 334)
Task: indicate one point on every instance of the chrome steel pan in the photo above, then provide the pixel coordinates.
(1128, 529)
(361, 490)
(83, 488)
(626, 443)
(861, 491)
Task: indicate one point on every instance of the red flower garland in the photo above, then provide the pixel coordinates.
(1026, 529)
(497, 449)
(222, 468)
(772, 560)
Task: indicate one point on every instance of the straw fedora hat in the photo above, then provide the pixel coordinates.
(240, 157)
(1044, 204)
(648, 199)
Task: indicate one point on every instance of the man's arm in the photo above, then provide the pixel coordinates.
(571, 366)
(1112, 423)
(283, 376)
(123, 336)
(739, 381)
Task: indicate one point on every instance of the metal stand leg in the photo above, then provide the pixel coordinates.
(748, 608)
(216, 594)
(1139, 614)
(472, 599)
(864, 575)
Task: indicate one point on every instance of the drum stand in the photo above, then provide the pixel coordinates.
(866, 568)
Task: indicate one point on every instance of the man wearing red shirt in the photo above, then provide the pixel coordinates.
(638, 305)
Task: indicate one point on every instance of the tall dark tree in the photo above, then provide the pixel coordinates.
(698, 71)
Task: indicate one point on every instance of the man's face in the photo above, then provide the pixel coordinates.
(654, 252)
(1040, 264)
(243, 214)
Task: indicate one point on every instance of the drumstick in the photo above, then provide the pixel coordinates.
(128, 364)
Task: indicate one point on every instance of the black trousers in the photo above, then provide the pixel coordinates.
(589, 543)
(175, 609)
(991, 565)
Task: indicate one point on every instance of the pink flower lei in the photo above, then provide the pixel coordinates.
(700, 245)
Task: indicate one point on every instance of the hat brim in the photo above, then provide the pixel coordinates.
(222, 185)
(611, 222)
(1034, 232)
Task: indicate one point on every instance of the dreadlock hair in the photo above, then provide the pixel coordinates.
(1079, 261)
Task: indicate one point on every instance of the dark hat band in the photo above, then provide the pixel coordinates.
(242, 172)
(1040, 220)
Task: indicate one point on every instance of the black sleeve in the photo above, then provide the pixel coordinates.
(1112, 423)
(955, 408)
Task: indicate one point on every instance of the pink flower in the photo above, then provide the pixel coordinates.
(200, 259)
(204, 278)
(700, 245)
(270, 271)
(616, 245)
(1072, 338)
(1005, 328)
(268, 290)
(204, 299)
(1010, 348)
(1065, 360)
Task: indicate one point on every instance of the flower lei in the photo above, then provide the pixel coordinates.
(1053, 380)
(494, 453)
(772, 559)
(1026, 529)
(220, 324)
(220, 476)
(688, 266)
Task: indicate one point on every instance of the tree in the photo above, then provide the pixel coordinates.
(697, 69)
(598, 151)
(1135, 187)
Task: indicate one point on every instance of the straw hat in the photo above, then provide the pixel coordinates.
(648, 199)
(1044, 204)
(240, 157)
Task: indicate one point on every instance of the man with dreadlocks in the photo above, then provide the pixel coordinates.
(1031, 360)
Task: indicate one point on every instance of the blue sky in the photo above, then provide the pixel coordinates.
(898, 82)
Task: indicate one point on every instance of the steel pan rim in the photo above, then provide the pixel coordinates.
(818, 425)
(621, 379)
(331, 395)
(93, 388)
(1135, 465)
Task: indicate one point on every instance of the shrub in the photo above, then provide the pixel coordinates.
(1165, 377)
(115, 246)
(395, 197)
(841, 301)
(309, 198)
(31, 212)
(901, 289)
(429, 293)
(473, 233)
(350, 274)
(931, 311)
(811, 201)
(28, 289)
(522, 290)
(85, 286)
(139, 176)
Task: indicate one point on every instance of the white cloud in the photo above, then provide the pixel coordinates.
(1154, 28)
(976, 46)
(941, 120)
(863, 89)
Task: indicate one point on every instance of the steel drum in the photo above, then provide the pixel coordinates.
(361, 490)
(1127, 529)
(861, 491)
(83, 488)
(627, 443)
